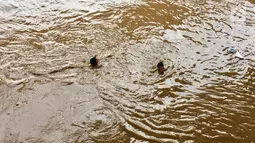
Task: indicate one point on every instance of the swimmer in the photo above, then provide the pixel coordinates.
(161, 68)
(94, 61)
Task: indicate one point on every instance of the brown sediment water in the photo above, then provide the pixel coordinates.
(49, 93)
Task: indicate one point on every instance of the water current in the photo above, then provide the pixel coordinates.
(207, 94)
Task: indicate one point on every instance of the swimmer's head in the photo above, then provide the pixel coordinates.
(161, 68)
(94, 61)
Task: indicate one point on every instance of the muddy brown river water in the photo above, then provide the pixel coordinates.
(50, 94)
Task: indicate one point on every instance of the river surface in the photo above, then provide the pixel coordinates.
(207, 95)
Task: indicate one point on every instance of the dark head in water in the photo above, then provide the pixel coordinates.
(94, 61)
(161, 68)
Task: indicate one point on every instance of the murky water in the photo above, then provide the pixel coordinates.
(206, 95)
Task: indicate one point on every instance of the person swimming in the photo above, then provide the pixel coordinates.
(94, 61)
(161, 68)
